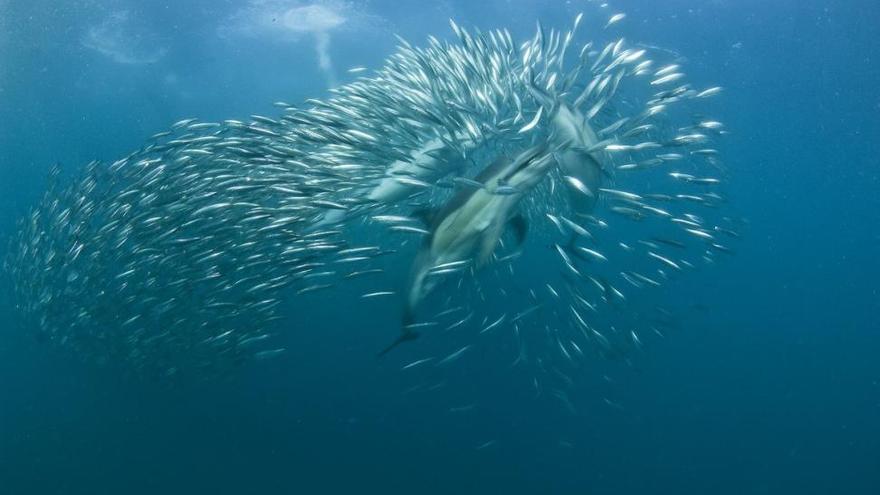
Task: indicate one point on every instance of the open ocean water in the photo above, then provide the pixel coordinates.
(766, 382)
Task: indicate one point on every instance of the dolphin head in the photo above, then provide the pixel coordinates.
(526, 170)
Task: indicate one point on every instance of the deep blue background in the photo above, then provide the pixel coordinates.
(775, 388)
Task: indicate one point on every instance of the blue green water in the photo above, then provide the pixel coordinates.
(769, 384)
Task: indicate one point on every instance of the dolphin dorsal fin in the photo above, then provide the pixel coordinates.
(426, 215)
(520, 227)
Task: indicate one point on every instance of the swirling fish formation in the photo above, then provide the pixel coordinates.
(177, 257)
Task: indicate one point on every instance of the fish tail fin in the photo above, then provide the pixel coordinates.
(571, 245)
(539, 94)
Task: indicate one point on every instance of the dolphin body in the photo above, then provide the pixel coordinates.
(469, 226)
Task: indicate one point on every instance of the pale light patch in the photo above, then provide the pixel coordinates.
(120, 38)
(295, 20)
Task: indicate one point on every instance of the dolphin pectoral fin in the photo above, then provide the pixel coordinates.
(520, 227)
(490, 238)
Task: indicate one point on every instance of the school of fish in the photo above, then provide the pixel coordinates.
(485, 151)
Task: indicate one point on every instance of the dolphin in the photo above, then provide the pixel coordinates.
(582, 165)
(468, 228)
(429, 163)
(575, 139)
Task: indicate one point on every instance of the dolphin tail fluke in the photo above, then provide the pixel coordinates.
(407, 319)
(406, 334)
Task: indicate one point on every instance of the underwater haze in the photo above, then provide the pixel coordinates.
(764, 379)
